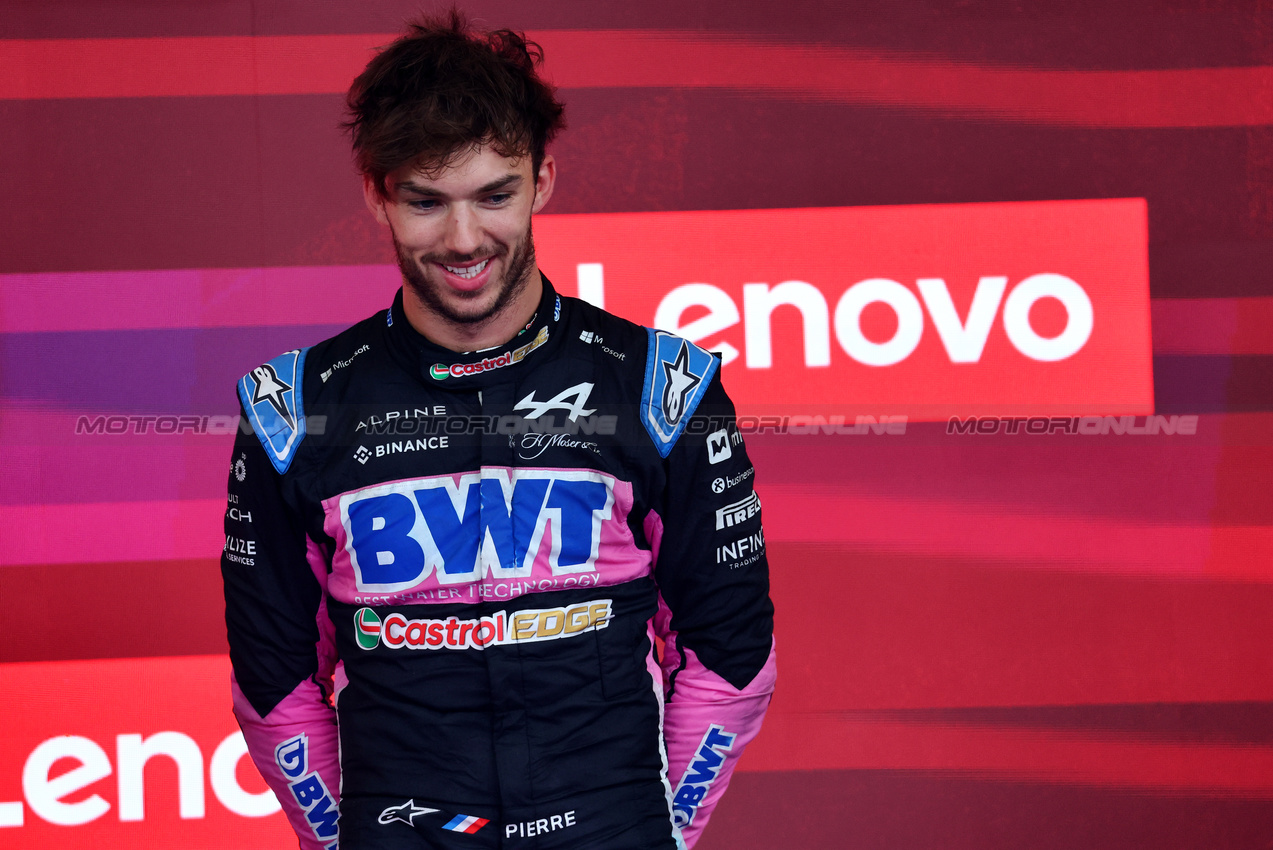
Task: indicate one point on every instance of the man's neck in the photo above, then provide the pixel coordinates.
(465, 337)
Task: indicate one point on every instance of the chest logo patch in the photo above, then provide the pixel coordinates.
(677, 373)
(460, 529)
(577, 396)
(272, 401)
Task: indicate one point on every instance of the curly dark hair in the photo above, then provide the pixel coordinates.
(443, 89)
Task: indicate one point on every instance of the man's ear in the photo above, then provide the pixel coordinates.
(374, 200)
(544, 182)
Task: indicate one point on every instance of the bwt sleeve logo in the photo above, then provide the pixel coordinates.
(308, 789)
(463, 528)
(700, 775)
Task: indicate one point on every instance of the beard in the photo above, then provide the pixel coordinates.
(516, 277)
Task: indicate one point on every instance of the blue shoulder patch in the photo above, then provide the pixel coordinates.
(677, 373)
(271, 396)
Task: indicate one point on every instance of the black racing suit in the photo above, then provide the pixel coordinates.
(530, 582)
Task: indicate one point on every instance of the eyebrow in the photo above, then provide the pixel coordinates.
(505, 182)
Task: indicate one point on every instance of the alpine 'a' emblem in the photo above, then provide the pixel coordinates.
(680, 383)
(367, 628)
(579, 392)
(270, 387)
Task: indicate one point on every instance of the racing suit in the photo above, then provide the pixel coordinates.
(513, 598)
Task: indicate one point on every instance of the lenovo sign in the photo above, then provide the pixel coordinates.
(1014, 308)
(156, 762)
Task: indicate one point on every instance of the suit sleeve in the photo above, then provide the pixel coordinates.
(715, 616)
(281, 646)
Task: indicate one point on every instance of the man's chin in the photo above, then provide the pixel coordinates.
(460, 307)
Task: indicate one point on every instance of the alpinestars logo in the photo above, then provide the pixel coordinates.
(269, 387)
(406, 813)
(579, 393)
(680, 383)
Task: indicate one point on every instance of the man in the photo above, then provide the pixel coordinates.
(508, 539)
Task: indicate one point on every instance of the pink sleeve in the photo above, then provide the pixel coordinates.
(296, 749)
(707, 723)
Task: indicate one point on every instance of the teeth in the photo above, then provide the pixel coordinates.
(470, 272)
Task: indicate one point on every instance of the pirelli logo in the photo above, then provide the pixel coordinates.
(397, 631)
(738, 512)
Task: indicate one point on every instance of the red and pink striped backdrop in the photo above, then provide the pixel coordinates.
(1056, 633)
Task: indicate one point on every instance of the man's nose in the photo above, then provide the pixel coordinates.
(463, 231)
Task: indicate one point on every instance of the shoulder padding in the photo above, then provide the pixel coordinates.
(677, 373)
(271, 397)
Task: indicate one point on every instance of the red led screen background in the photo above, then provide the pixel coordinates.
(993, 288)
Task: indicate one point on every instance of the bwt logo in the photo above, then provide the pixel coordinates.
(964, 340)
(700, 775)
(308, 788)
(489, 523)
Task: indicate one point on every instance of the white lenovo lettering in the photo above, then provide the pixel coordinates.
(54, 798)
(963, 341)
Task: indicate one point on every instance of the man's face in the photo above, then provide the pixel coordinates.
(463, 234)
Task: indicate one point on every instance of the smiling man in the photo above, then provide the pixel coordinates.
(463, 239)
(508, 540)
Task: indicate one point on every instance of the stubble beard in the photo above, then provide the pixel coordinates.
(516, 277)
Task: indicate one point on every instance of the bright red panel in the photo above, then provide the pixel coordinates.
(688, 270)
(80, 710)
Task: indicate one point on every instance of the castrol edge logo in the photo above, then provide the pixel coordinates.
(397, 631)
(929, 311)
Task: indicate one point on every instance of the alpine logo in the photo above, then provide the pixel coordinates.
(738, 512)
(396, 631)
(440, 371)
(579, 393)
(700, 775)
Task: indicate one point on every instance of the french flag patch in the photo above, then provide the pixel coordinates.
(465, 823)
